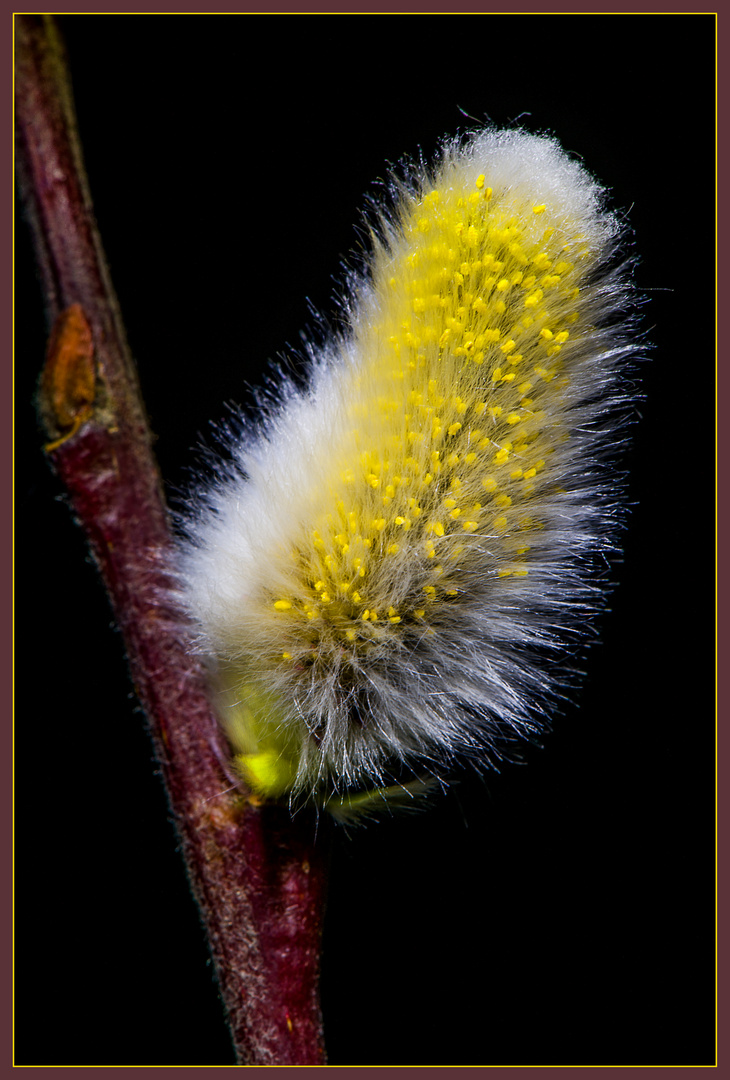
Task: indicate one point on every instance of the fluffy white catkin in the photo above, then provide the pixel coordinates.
(396, 568)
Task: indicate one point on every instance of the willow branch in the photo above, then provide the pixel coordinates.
(256, 874)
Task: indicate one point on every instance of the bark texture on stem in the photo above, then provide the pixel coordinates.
(257, 875)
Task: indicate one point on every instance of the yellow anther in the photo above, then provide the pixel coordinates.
(508, 346)
(539, 209)
(393, 549)
(514, 418)
(282, 605)
(470, 526)
(286, 656)
(429, 590)
(545, 333)
(489, 483)
(350, 635)
(480, 181)
(503, 284)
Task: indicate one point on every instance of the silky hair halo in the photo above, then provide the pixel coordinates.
(395, 570)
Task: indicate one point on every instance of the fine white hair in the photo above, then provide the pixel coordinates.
(398, 566)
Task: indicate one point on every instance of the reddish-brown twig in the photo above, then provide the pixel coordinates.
(257, 875)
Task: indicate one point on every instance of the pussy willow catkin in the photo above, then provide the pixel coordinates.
(396, 569)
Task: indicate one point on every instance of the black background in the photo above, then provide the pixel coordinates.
(560, 912)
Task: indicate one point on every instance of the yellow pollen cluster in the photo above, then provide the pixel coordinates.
(451, 428)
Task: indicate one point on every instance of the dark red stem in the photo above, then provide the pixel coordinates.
(258, 876)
